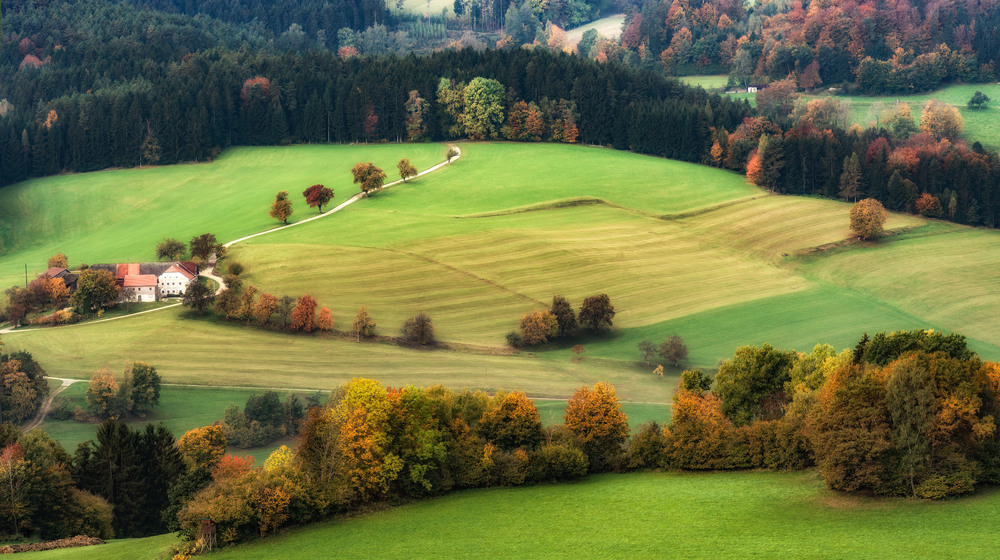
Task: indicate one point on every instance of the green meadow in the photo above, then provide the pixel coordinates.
(646, 515)
(120, 215)
(610, 27)
(680, 248)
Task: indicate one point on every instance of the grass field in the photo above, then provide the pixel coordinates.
(707, 82)
(432, 7)
(681, 249)
(648, 515)
(120, 215)
(610, 27)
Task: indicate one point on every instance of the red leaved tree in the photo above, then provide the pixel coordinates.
(304, 314)
(318, 195)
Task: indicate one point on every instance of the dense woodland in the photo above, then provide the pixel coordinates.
(885, 46)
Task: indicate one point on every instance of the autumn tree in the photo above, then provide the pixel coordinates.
(597, 314)
(304, 314)
(928, 205)
(941, 120)
(94, 289)
(170, 249)
(20, 397)
(316, 196)
(511, 421)
(674, 350)
(597, 421)
(266, 305)
(281, 208)
(406, 169)
(56, 290)
(58, 261)
(104, 395)
(368, 177)
(364, 325)
(868, 217)
(325, 320)
(565, 316)
(203, 246)
(538, 327)
(203, 447)
(777, 99)
(418, 330)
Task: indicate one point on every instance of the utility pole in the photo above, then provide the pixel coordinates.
(25, 275)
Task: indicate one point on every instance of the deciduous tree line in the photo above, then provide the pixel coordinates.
(903, 414)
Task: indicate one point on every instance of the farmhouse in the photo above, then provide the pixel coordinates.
(151, 281)
(67, 277)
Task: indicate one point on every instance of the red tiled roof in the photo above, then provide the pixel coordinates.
(140, 280)
(190, 266)
(54, 271)
(121, 270)
(180, 270)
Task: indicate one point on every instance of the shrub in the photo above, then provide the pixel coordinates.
(646, 448)
(89, 515)
(559, 461)
(514, 339)
(418, 330)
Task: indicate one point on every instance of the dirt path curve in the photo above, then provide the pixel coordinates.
(47, 405)
(209, 272)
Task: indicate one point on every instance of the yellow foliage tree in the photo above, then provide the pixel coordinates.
(868, 217)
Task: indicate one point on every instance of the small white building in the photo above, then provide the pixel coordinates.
(140, 287)
(174, 281)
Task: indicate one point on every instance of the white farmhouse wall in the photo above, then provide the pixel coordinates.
(172, 283)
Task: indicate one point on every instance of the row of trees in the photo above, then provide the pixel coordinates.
(370, 444)
(252, 306)
(560, 321)
(904, 413)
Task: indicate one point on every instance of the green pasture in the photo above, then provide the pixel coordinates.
(707, 82)
(610, 27)
(643, 515)
(120, 215)
(149, 548)
(681, 249)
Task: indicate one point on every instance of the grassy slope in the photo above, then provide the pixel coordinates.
(708, 82)
(651, 515)
(122, 214)
(610, 27)
(150, 548)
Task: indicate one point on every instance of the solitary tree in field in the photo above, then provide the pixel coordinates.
(406, 169)
(318, 195)
(867, 218)
(369, 177)
(281, 209)
(978, 101)
(418, 330)
(170, 249)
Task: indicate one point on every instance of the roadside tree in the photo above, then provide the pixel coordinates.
(317, 196)
(368, 177)
(281, 208)
(203, 246)
(406, 169)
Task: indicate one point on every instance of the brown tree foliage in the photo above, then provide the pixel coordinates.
(281, 208)
(316, 196)
(325, 321)
(58, 260)
(868, 217)
(304, 314)
(511, 421)
(368, 177)
(266, 305)
(929, 205)
(364, 325)
(538, 327)
(406, 169)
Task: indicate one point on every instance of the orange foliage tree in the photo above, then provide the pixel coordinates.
(203, 448)
(511, 421)
(304, 314)
(538, 326)
(868, 217)
(597, 421)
